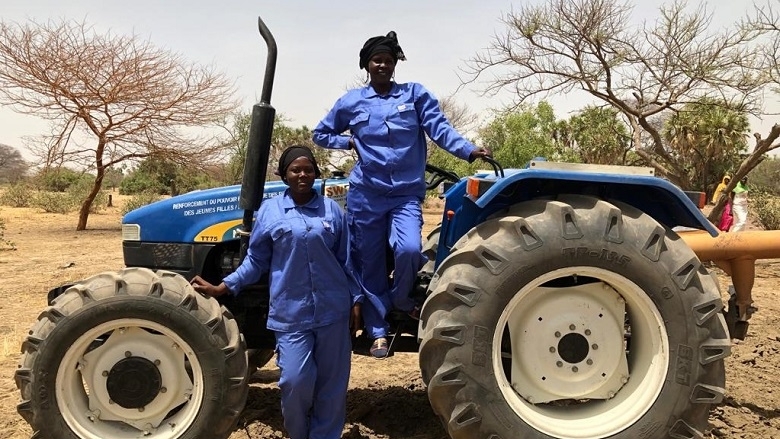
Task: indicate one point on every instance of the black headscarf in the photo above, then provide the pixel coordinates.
(290, 154)
(380, 44)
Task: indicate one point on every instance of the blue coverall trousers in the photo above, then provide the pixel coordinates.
(315, 368)
(373, 222)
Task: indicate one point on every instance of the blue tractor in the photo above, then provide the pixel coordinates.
(559, 302)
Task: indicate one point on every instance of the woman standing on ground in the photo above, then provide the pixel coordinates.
(300, 239)
(739, 205)
(387, 124)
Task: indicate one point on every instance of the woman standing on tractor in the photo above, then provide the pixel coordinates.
(387, 124)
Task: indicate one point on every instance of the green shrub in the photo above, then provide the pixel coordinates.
(54, 202)
(139, 200)
(139, 183)
(3, 240)
(765, 207)
(766, 175)
(59, 180)
(17, 195)
(79, 191)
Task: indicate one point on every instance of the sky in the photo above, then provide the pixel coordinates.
(318, 43)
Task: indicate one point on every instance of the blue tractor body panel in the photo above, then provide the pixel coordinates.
(208, 216)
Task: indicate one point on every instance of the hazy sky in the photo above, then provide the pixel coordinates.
(318, 42)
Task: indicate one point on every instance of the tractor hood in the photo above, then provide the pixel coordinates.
(211, 215)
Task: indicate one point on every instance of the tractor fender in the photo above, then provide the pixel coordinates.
(659, 198)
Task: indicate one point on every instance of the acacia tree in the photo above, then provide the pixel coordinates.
(642, 71)
(109, 98)
(12, 164)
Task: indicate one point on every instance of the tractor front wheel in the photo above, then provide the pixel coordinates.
(133, 354)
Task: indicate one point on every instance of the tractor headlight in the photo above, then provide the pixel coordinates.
(131, 232)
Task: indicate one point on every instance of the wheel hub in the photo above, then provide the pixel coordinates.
(136, 376)
(573, 348)
(133, 382)
(574, 336)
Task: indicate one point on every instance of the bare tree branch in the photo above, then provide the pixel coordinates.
(561, 46)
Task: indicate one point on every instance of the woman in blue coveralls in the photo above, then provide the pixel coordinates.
(387, 124)
(300, 239)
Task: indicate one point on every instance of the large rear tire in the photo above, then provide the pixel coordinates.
(133, 354)
(574, 318)
(430, 248)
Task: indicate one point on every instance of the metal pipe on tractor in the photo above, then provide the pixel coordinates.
(259, 145)
(736, 254)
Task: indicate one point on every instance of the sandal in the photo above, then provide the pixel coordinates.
(379, 348)
(415, 313)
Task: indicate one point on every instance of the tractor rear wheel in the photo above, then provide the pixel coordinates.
(133, 354)
(429, 249)
(574, 318)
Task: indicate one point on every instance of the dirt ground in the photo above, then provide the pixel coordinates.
(387, 398)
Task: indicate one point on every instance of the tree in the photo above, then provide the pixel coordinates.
(590, 45)
(766, 176)
(707, 139)
(764, 21)
(160, 176)
(109, 98)
(598, 136)
(518, 136)
(12, 165)
(514, 136)
(114, 176)
(282, 137)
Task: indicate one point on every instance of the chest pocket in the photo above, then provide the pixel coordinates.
(281, 232)
(403, 120)
(359, 123)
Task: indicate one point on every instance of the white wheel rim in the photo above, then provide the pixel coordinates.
(585, 395)
(81, 390)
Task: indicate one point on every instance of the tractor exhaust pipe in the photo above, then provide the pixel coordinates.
(259, 145)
